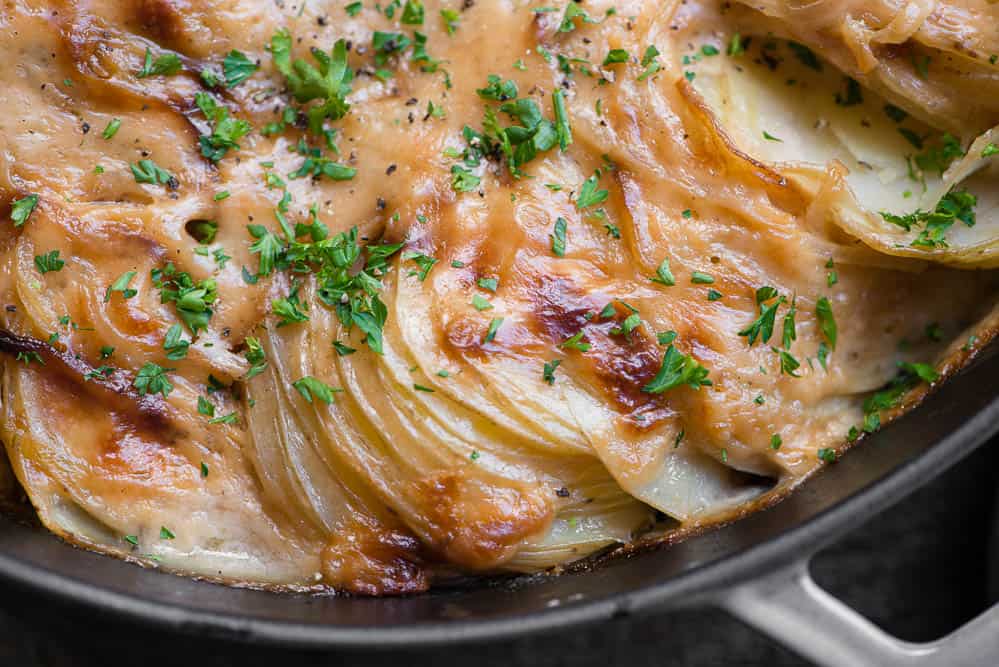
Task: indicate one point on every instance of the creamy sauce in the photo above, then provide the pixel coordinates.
(460, 444)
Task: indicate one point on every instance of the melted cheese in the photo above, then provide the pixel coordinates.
(450, 450)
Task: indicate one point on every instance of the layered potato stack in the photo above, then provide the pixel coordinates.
(335, 295)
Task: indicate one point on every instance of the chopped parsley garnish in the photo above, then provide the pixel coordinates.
(562, 129)
(152, 379)
(823, 355)
(488, 283)
(435, 110)
(558, 238)
(226, 130)
(481, 304)
(573, 11)
(497, 89)
(956, 205)
(111, 129)
(268, 246)
(342, 350)
(615, 56)
(463, 180)
(192, 300)
(424, 262)
(548, 373)
(788, 364)
(312, 389)
(938, 157)
(22, 208)
(121, 285)
(776, 441)
(351, 293)
(699, 278)
(451, 20)
(205, 407)
(230, 418)
(49, 262)
(589, 194)
(164, 65)
(28, 357)
(237, 68)
(166, 533)
(827, 455)
(256, 357)
(203, 231)
(147, 171)
(316, 166)
(770, 137)
(412, 13)
(990, 150)
(494, 326)
(629, 324)
(650, 62)
(736, 46)
(790, 333)
(663, 275)
(289, 310)
(762, 328)
(827, 323)
(575, 342)
(666, 337)
(353, 9)
(175, 344)
(329, 83)
(677, 369)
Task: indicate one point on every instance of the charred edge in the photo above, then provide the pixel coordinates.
(85, 40)
(623, 364)
(161, 20)
(149, 410)
(785, 194)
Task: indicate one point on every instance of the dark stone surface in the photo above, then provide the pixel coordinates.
(919, 570)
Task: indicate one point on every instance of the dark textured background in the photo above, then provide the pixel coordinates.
(919, 570)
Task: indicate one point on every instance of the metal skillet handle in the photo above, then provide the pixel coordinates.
(790, 607)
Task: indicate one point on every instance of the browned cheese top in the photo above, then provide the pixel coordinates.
(318, 293)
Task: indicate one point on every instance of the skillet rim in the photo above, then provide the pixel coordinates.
(699, 585)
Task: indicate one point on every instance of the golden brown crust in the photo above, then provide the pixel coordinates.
(505, 414)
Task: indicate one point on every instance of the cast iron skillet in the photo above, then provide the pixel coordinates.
(756, 568)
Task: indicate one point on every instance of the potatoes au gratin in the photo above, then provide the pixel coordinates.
(361, 296)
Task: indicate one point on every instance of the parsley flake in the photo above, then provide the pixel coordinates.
(312, 389)
(677, 369)
(163, 65)
(152, 379)
(237, 68)
(21, 209)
